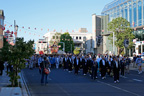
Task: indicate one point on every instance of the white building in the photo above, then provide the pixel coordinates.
(82, 40)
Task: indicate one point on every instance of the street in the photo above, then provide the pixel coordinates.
(63, 83)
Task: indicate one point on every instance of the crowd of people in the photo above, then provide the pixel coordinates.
(92, 65)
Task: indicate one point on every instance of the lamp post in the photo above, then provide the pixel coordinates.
(16, 30)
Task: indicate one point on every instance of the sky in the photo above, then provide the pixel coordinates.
(50, 15)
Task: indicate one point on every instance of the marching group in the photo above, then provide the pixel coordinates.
(102, 65)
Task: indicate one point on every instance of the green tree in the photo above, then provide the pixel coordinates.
(122, 31)
(67, 39)
(16, 55)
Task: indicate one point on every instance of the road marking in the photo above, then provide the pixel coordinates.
(119, 88)
(138, 80)
(63, 90)
(123, 77)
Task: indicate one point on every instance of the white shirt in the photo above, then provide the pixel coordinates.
(103, 62)
(116, 64)
(77, 61)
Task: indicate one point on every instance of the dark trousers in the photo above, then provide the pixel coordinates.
(94, 73)
(109, 71)
(76, 69)
(85, 69)
(1, 72)
(70, 67)
(116, 75)
(103, 72)
(43, 77)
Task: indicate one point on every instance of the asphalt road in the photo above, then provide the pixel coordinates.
(63, 83)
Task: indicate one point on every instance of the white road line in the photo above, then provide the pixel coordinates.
(119, 88)
(138, 80)
(63, 90)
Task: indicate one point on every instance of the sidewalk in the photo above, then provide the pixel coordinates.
(136, 69)
(8, 91)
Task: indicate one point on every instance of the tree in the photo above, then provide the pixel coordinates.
(67, 39)
(76, 51)
(16, 55)
(122, 31)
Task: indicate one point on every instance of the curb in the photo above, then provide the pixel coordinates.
(25, 89)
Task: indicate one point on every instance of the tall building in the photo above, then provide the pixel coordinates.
(131, 10)
(1, 26)
(96, 31)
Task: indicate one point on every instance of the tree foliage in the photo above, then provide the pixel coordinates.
(15, 56)
(122, 31)
(67, 39)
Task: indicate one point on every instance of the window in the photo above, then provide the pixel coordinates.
(1, 22)
(130, 15)
(53, 37)
(80, 38)
(135, 15)
(56, 37)
(139, 49)
(76, 37)
(139, 13)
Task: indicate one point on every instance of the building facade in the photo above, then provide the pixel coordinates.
(82, 40)
(1, 26)
(131, 10)
(96, 31)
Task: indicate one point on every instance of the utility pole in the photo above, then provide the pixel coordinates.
(113, 44)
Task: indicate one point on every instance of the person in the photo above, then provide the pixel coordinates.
(76, 64)
(44, 64)
(122, 66)
(139, 64)
(127, 64)
(81, 59)
(69, 64)
(94, 69)
(65, 61)
(134, 61)
(31, 62)
(116, 69)
(1, 67)
(57, 62)
(85, 66)
(103, 68)
(109, 66)
(39, 60)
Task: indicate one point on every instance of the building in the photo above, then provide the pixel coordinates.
(131, 10)
(1, 26)
(81, 39)
(9, 36)
(96, 31)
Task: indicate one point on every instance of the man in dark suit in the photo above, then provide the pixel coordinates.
(65, 61)
(69, 64)
(94, 69)
(81, 61)
(103, 65)
(76, 64)
(85, 66)
(116, 69)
